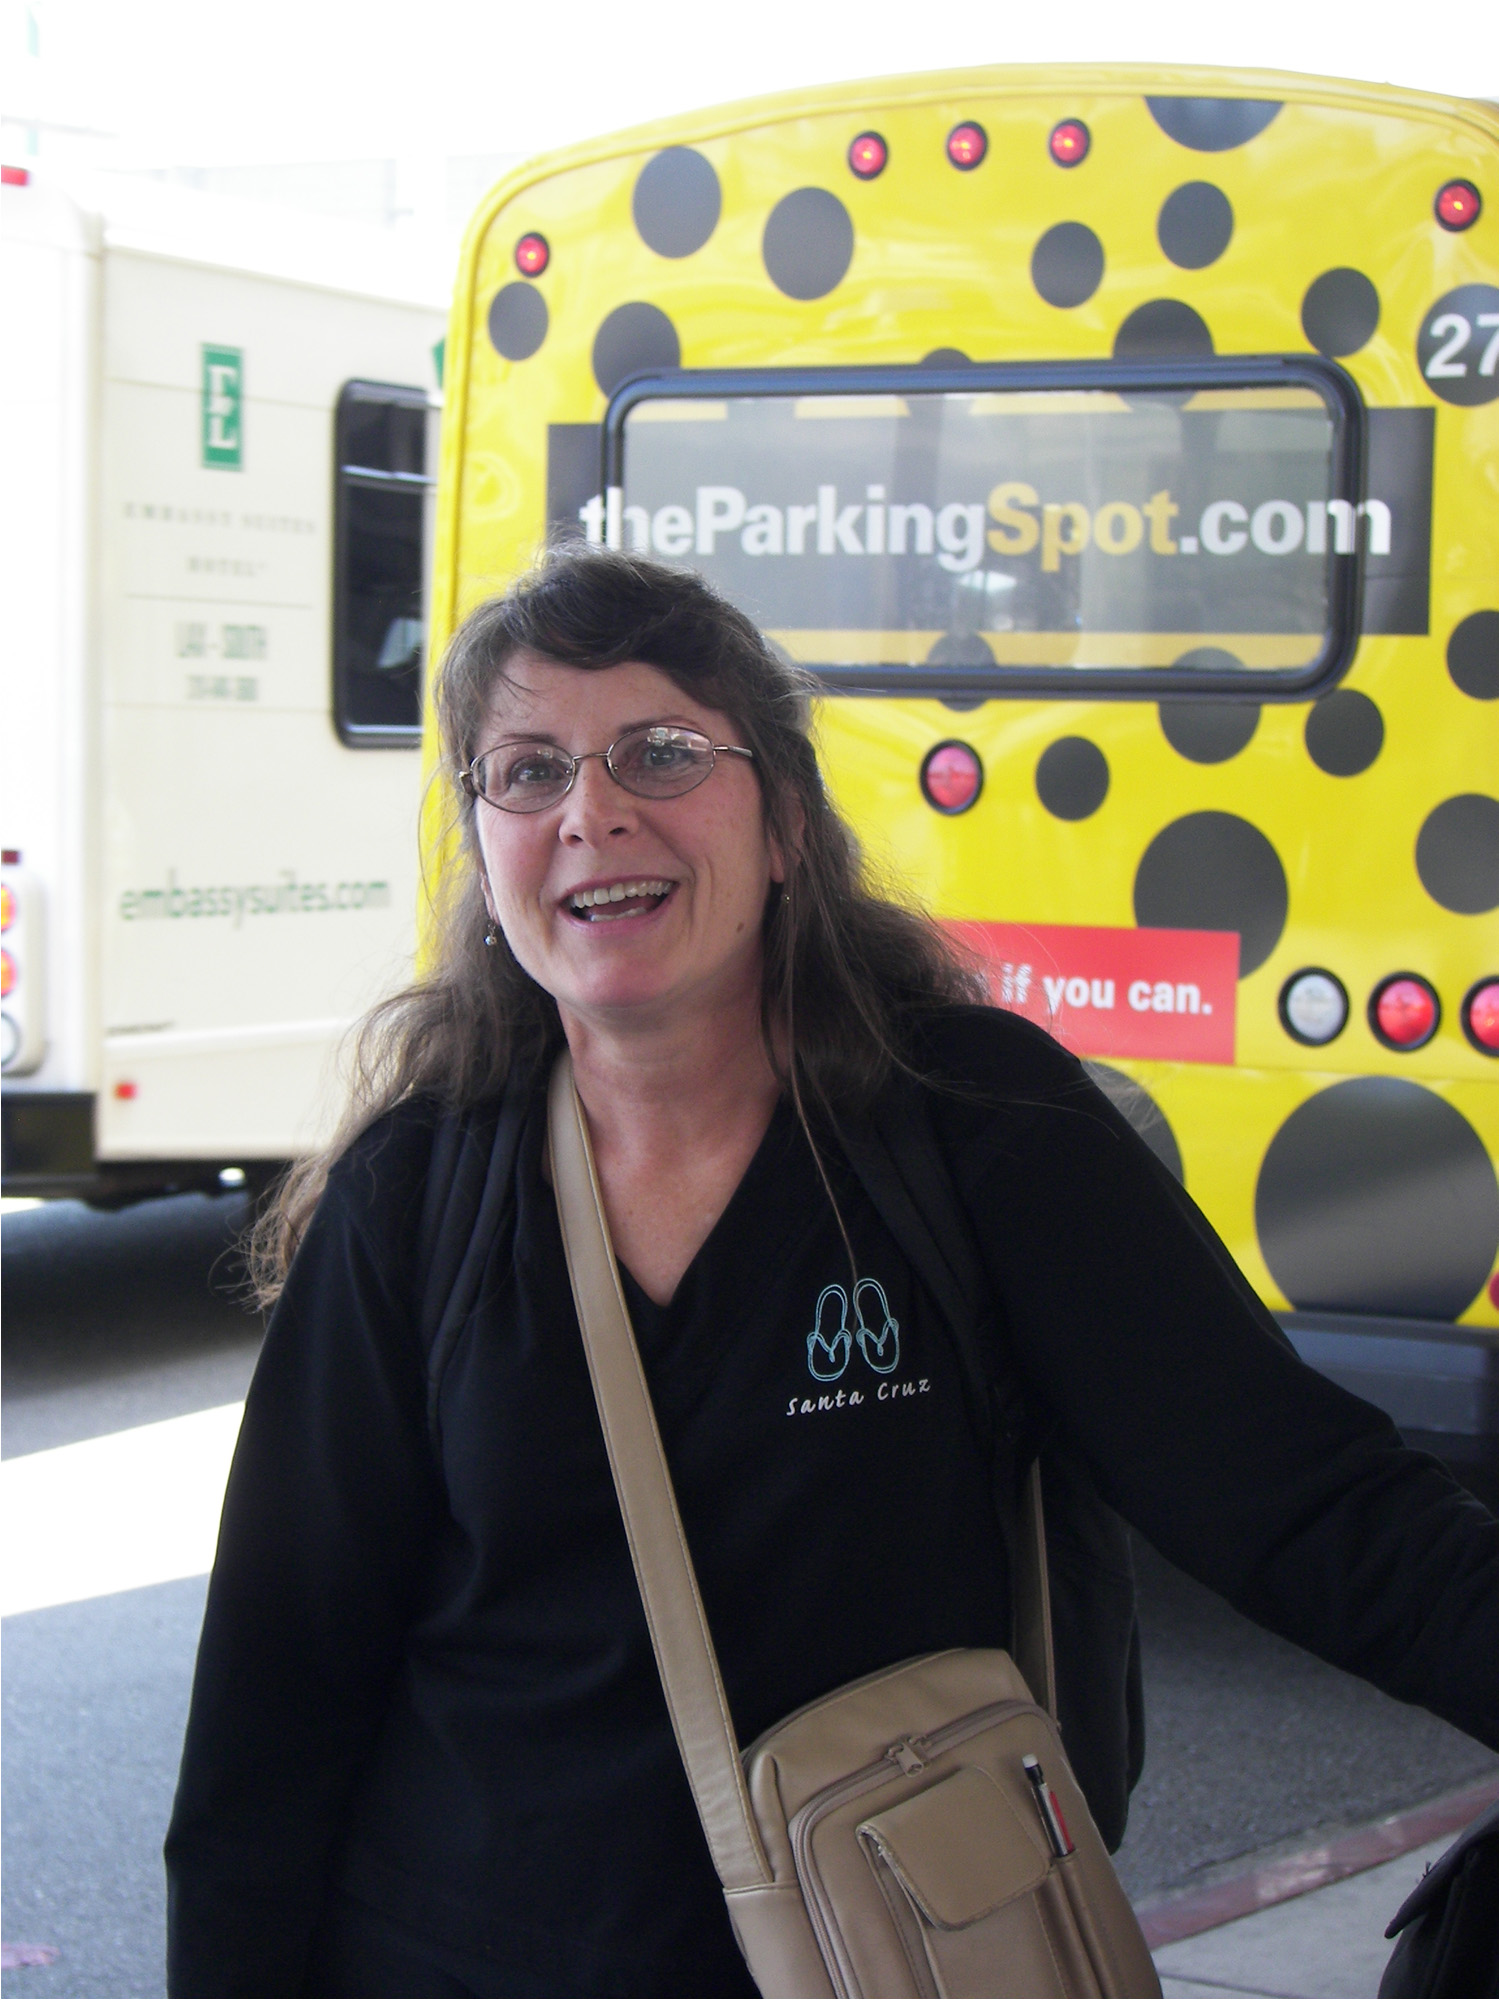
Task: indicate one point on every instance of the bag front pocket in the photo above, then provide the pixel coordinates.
(975, 1893)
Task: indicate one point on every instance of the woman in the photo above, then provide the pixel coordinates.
(428, 1750)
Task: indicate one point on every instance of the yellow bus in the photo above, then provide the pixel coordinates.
(1118, 449)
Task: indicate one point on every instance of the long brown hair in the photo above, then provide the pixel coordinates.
(845, 966)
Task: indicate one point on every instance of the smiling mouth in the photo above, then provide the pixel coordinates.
(619, 899)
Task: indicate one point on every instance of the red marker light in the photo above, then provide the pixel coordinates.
(533, 255)
(126, 1091)
(1494, 1288)
(7, 975)
(868, 155)
(967, 146)
(1481, 1016)
(1069, 142)
(951, 778)
(1404, 1012)
(1457, 205)
(15, 177)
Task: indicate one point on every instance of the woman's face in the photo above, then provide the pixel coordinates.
(701, 865)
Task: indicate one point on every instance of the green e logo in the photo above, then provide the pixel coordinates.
(222, 403)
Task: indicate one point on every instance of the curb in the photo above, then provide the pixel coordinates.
(1194, 1911)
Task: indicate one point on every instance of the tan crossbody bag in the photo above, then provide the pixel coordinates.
(916, 1832)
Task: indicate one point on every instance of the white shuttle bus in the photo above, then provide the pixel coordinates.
(215, 477)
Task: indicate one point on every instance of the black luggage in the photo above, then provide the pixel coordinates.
(1447, 1925)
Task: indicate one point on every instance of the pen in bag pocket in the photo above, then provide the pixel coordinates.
(1051, 1812)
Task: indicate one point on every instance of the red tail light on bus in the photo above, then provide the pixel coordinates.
(1480, 1015)
(533, 255)
(967, 146)
(1457, 205)
(951, 778)
(1069, 142)
(1404, 1012)
(868, 155)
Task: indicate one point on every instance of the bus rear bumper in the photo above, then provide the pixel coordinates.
(1435, 1380)
(47, 1152)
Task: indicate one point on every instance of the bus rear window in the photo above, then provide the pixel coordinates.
(1014, 530)
(378, 629)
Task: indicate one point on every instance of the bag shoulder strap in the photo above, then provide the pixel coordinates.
(678, 1624)
(900, 1164)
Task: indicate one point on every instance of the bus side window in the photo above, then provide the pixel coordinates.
(380, 484)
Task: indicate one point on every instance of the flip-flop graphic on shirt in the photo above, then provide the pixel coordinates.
(883, 1349)
(830, 1343)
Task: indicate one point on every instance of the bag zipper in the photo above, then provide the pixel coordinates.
(747, 1757)
(908, 1756)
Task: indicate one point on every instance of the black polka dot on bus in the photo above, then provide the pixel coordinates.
(1340, 311)
(1216, 658)
(635, 339)
(1213, 871)
(1344, 733)
(1474, 655)
(1139, 1108)
(968, 651)
(1163, 330)
(676, 202)
(1067, 264)
(1195, 225)
(808, 243)
(1213, 124)
(1072, 777)
(946, 357)
(960, 649)
(1458, 853)
(1208, 732)
(1377, 1196)
(518, 321)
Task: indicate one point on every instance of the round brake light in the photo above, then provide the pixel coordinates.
(7, 975)
(1404, 1012)
(868, 155)
(7, 906)
(951, 777)
(1313, 1007)
(967, 146)
(533, 255)
(1480, 1015)
(1457, 204)
(1069, 142)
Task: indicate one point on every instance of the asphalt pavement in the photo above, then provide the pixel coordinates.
(113, 1321)
(1250, 1742)
(120, 1321)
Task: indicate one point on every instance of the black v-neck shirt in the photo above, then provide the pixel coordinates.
(425, 1679)
(839, 1516)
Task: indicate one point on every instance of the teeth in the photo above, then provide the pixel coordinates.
(618, 892)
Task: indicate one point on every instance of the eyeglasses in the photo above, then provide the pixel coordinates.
(656, 760)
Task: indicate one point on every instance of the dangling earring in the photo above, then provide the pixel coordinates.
(489, 936)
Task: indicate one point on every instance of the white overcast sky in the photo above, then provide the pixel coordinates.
(206, 81)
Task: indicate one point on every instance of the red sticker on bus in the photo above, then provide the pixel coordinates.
(1116, 992)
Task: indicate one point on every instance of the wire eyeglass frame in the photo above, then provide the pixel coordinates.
(650, 734)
